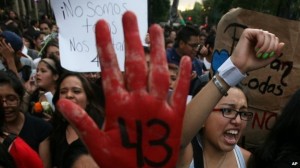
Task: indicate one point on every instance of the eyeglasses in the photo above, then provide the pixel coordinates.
(194, 46)
(10, 100)
(232, 114)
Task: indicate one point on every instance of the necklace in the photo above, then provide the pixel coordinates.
(219, 164)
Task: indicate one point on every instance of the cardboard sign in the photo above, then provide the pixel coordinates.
(76, 20)
(269, 88)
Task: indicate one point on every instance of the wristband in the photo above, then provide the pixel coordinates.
(230, 73)
(219, 86)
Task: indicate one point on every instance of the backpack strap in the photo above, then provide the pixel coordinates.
(8, 140)
(197, 152)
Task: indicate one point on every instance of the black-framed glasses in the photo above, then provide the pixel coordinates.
(10, 100)
(194, 46)
(232, 114)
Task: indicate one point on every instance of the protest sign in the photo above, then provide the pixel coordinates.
(269, 88)
(76, 21)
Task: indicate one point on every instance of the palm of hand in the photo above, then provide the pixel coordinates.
(142, 128)
(5, 49)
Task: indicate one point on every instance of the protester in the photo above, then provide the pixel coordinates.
(187, 43)
(38, 39)
(13, 22)
(14, 151)
(12, 57)
(32, 130)
(32, 28)
(245, 58)
(28, 47)
(173, 71)
(216, 143)
(202, 37)
(45, 27)
(51, 48)
(209, 44)
(45, 79)
(76, 88)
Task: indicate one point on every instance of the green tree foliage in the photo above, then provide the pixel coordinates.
(215, 9)
(158, 11)
(196, 15)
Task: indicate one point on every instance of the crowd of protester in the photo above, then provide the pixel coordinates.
(32, 81)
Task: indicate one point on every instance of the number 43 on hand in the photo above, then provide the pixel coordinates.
(142, 127)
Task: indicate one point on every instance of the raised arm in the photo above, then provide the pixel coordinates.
(7, 54)
(255, 49)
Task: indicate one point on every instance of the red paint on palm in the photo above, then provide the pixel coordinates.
(142, 129)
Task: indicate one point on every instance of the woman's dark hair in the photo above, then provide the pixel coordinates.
(52, 42)
(281, 142)
(93, 108)
(6, 159)
(9, 78)
(210, 40)
(197, 150)
(56, 69)
(37, 34)
(30, 40)
(44, 21)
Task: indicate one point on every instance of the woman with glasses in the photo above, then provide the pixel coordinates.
(216, 143)
(14, 151)
(32, 130)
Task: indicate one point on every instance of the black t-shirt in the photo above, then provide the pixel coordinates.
(34, 131)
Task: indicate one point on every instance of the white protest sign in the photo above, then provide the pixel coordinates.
(76, 21)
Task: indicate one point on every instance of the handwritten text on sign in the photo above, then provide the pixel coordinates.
(76, 21)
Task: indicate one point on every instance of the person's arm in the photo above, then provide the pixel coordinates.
(255, 49)
(7, 53)
(185, 157)
(44, 152)
(198, 109)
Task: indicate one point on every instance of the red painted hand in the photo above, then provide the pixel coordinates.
(142, 127)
